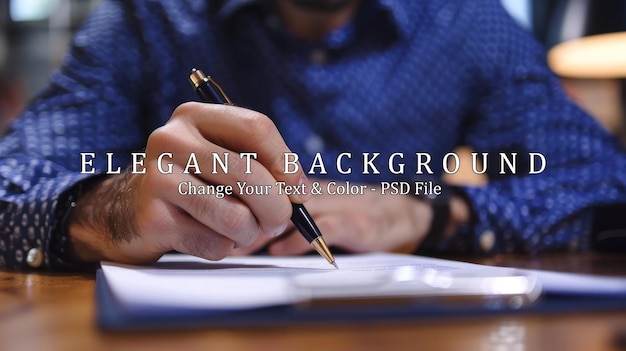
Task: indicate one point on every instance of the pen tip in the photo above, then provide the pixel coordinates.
(334, 264)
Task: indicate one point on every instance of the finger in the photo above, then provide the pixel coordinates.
(195, 239)
(291, 243)
(243, 130)
(255, 246)
(319, 205)
(337, 231)
(345, 230)
(265, 240)
(250, 181)
(226, 216)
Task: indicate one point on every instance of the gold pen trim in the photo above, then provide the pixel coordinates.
(197, 77)
(320, 246)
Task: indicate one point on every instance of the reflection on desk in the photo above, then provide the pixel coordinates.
(56, 311)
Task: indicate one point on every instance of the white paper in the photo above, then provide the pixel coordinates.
(579, 284)
(180, 281)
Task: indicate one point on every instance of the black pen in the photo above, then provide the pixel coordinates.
(209, 91)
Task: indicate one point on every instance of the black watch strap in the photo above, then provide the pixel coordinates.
(60, 242)
(441, 216)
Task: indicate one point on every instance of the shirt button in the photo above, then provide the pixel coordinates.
(318, 56)
(34, 258)
(487, 240)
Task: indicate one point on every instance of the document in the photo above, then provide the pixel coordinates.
(572, 284)
(236, 283)
(181, 291)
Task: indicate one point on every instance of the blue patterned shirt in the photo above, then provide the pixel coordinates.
(403, 76)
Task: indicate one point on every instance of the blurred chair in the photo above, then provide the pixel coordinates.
(590, 60)
(593, 70)
(11, 92)
(11, 101)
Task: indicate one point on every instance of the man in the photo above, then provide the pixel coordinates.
(333, 77)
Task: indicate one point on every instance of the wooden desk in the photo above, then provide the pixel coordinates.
(56, 312)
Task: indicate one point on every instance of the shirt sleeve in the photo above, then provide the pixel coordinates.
(523, 109)
(86, 108)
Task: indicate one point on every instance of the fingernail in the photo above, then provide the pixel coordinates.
(274, 232)
(304, 181)
(303, 188)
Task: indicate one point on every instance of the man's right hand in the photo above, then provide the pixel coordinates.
(135, 218)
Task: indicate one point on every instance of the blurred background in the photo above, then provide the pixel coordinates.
(35, 35)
